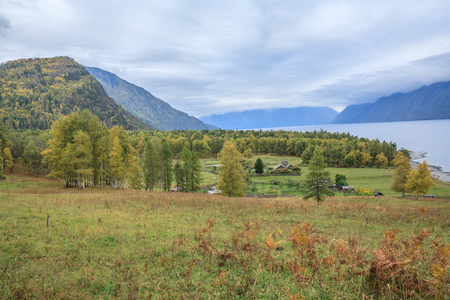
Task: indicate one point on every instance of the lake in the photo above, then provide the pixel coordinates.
(430, 136)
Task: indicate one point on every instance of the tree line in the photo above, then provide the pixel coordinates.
(85, 152)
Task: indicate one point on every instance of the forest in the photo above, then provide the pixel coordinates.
(36, 92)
(83, 151)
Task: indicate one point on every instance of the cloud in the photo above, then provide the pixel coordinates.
(4, 24)
(209, 57)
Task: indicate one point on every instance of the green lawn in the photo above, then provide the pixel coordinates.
(371, 178)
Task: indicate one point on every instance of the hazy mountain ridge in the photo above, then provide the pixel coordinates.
(269, 118)
(36, 92)
(144, 105)
(426, 103)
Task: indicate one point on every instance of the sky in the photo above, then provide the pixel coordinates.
(208, 57)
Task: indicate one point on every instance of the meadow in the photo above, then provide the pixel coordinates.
(58, 243)
(370, 178)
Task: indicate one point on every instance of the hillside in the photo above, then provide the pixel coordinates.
(268, 118)
(36, 92)
(144, 105)
(427, 103)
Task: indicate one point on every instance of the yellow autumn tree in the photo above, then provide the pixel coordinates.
(420, 181)
(231, 172)
(400, 176)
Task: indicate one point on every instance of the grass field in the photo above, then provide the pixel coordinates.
(371, 178)
(103, 244)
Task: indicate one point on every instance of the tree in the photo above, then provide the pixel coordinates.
(400, 176)
(180, 177)
(340, 180)
(8, 159)
(420, 181)
(259, 166)
(317, 179)
(166, 164)
(192, 170)
(150, 165)
(2, 176)
(31, 157)
(231, 172)
(381, 161)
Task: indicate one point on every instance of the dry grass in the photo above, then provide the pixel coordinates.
(103, 243)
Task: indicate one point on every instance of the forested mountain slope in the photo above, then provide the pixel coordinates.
(36, 92)
(144, 105)
(269, 118)
(427, 103)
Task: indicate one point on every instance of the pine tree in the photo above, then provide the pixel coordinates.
(259, 166)
(150, 166)
(231, 172)
(317, 179)
(192, 170)
(400, 176)
(166, 164)
(180, 177)
(420, 181)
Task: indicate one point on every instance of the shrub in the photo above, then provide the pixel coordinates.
(364, 192)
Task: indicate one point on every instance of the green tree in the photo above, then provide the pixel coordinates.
(420, 181)
(2, 176)
(180, 176)
(150, 165)
(231, 172)
(340, 180)
(400, 176)
(31, 157)
(259, 166)
(166, 166)
(192, 170)
(317, 179)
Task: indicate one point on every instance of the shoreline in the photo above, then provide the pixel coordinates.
(436, 171)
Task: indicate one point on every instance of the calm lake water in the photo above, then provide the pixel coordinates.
(431, 136)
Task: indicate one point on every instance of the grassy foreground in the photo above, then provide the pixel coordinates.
(103, 244)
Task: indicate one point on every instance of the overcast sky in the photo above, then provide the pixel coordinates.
(210, 57)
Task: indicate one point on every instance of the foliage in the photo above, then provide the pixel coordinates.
(364, 192)
(137, 245)
(150, 165)
(8, 159)
(231, 173)
(259, 166)
(36, 92)
(166, 166)
(400, 176)
(2, 176)
(84, 153)
(420, 181)
(191, 169)
(340, 180)
(381, 160)
(317, 180)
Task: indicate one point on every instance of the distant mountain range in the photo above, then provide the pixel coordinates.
(269, 118)
(36, 92)
(427, 103)
(144, 105)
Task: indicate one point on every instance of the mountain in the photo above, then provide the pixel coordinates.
(144, 105)
(268, 118)
(427, 103)
(35, 92)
